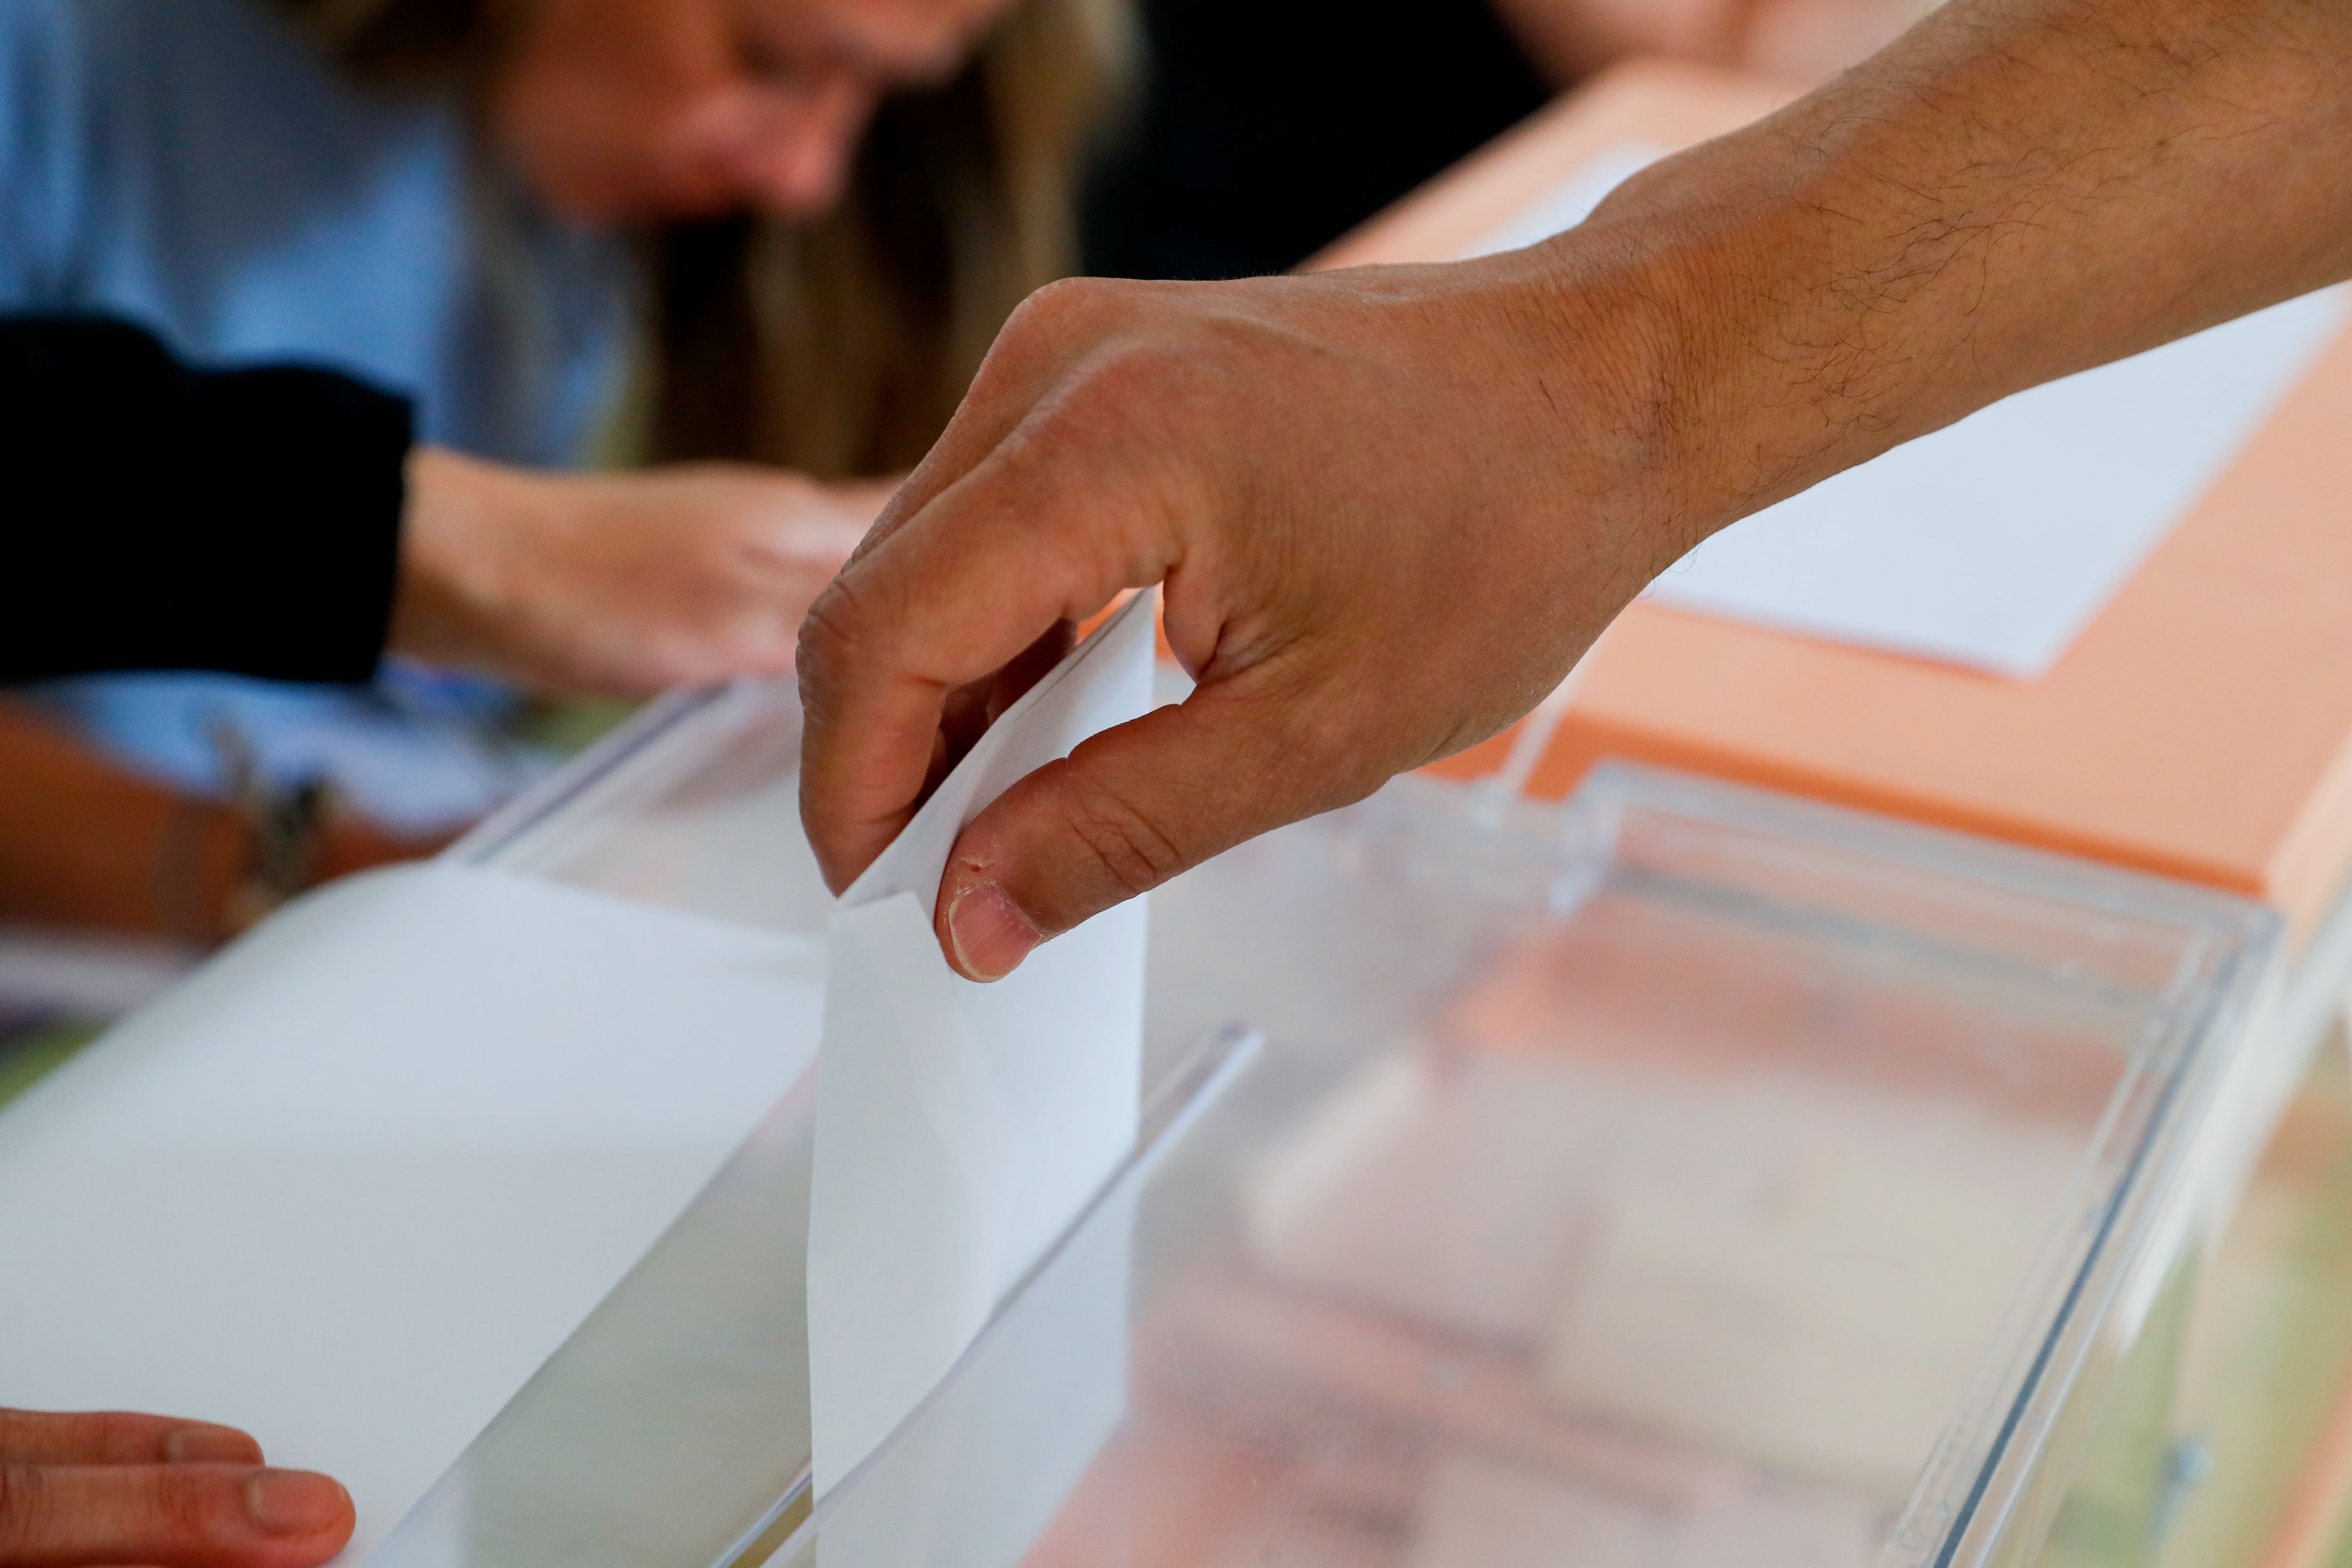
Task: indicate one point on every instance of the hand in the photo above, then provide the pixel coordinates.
(620, 585)
(1390, 507)
(111, 1489)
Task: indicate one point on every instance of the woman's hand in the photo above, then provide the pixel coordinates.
(107, 1489)
(616, 584)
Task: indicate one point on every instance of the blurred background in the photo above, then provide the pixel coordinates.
(594, 236)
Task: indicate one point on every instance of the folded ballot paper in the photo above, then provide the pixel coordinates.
(961, 1128)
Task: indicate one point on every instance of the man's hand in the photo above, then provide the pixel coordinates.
(1390, 507)
(622, 584)
(111, 1489)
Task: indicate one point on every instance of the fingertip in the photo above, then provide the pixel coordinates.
(307, 1518)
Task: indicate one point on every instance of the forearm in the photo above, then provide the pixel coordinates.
(2018, 190)
(83, 843)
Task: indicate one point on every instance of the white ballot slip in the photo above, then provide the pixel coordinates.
(1991, 543)
(351, 1184)
(961, 1128)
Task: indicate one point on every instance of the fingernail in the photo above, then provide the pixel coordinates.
(992, 936)
(293, 1502)
(208, 1445)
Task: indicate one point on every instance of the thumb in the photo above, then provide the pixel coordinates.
(1126, 811)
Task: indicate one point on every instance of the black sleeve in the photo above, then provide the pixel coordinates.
(158, 517)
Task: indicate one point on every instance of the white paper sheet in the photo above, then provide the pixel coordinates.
(1993, 543)
(961, 1128)
(352, 1184)
(1570, 202)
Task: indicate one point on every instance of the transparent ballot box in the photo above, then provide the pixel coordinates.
(1680, 1177)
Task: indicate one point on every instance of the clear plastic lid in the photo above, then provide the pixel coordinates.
(1681, 1177)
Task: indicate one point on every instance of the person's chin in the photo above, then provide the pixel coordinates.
(603, 194)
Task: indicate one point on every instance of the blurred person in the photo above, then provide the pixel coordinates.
(780, 231)
(1270, 128)
(154, 515)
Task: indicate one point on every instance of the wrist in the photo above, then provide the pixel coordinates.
(1761, 337)
(196, 868)
(455, 582)
(1650, 375)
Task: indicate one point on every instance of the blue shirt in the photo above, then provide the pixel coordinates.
(196, 166)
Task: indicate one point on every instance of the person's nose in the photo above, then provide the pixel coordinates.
(792, 154)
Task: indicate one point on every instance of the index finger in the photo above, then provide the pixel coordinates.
(960, 589)
(118, 1437)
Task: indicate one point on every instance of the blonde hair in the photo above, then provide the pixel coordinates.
(837, 346)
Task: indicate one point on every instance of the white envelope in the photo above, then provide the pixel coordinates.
(961, 1126)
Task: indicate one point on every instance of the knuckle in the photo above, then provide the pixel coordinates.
(828, 633)
(1064, 300)
(112, 1434)
(1149, 373)
(1141, 405)
(1134, 851)
(1038, 328)
(1071, 316)
(179, 1504)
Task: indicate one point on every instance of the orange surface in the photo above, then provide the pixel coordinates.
(2202, 727)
